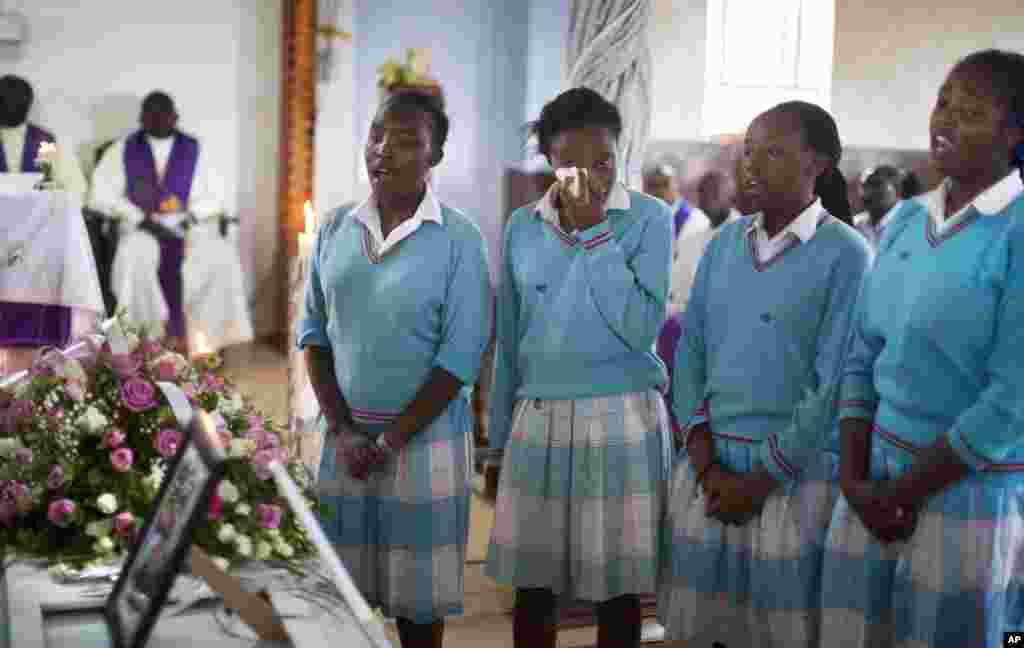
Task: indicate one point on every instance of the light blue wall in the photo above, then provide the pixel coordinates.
(479, 51)
(545, 59)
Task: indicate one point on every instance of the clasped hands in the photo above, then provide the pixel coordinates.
(880, 510)
(152, 224)
(360, 455)
(735, 498)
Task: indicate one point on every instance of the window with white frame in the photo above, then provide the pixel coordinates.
(763, 52)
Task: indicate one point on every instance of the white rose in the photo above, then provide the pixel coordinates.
(155, 477)
(244, 546)
(99, 529)
(227, 533)
(228, 492)
(274, 534)
(243, 510)
(264, 550)
(222, 563)
(107, 503)
(93, 420)
(9, 446)
(241, 448)
(104, 545)
(284, 549)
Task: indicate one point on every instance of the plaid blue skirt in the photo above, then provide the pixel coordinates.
(402, 533)
(751, 586)
(958, 581)
(580, 496)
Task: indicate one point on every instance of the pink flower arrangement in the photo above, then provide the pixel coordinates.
(22, 409)
(151, 347)
(61, 512)
(113, 438)
(126, 364)
(124, 524)
(216, 509)
(122, 459)
(138, 394)
(167, 442)
(93, 436)
(269, 515)
(166, 370)
(55, 479)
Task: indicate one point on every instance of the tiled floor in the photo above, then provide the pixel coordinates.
(260, 371)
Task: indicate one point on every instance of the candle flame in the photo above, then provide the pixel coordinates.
(310, 217)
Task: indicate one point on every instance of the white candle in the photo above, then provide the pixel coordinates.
(306, 236)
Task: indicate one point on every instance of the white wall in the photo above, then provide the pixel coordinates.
(678, 35)
(891, 58)
(92, 62)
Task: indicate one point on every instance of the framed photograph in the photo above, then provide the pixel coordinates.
(153, 565)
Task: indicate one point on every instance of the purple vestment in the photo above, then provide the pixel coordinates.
(146, 191)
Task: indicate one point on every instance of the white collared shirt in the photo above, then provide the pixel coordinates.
(801, 228)
(991, 201)
(618, 198)
(161, 153)
(369, 216)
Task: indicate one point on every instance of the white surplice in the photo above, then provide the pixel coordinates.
(66, 170)
(214, 297)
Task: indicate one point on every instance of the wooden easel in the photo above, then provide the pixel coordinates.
(254, 608)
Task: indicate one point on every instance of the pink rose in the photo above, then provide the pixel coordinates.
(269, 515)
(139, 395)
(124, 524)
(24, 456)
(216, 510)
(167, 442)
(261, 462)
(113, 438)
(166, 371)
(264, 440)
(151, 347)
(213, 382)
(61, 512)
(256, 423)
(126, 364)
(56, 478)
(7, 513)
(75, 390)
(22, 409)
(122, 459)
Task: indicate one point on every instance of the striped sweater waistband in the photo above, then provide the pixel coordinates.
(372, 416)
(916, 450)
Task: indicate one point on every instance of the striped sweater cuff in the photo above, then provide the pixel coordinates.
(779, 465)
(596, 236)
(857, 409)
